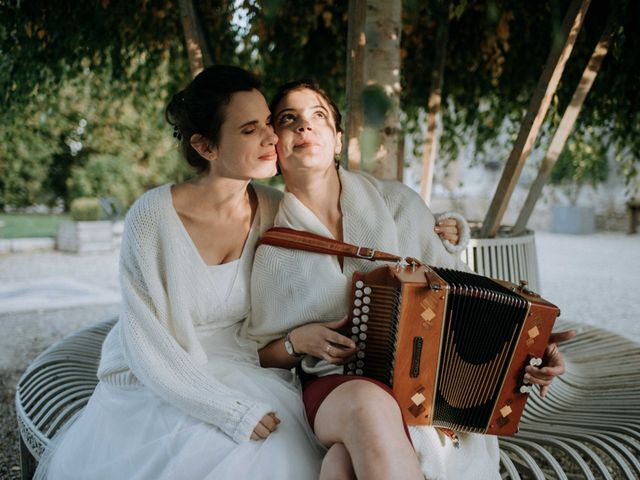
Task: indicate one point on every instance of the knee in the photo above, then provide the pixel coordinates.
(372, 405)
(330, 471)
(337, 465)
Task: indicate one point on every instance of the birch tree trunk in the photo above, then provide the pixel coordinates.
(356, 41)
(199, 55)
(433, 106)
(382, 71)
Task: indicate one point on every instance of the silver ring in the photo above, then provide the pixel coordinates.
(328, 349)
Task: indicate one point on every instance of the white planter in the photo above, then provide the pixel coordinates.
(118, 230)
(505, 258)
(573, 219)
(84, 237)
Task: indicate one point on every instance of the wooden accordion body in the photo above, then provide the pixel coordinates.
(452, 345)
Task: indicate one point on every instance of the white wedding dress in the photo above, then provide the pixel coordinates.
(132, 433)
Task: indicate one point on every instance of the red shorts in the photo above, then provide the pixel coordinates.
(314, 392)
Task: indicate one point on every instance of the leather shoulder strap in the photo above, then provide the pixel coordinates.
(299, 240)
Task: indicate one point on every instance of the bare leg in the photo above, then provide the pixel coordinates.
(367, 420)
(336, 464)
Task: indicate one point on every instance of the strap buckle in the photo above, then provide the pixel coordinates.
(362, 255)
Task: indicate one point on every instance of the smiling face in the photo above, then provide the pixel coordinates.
(307, 137)
(247, 142)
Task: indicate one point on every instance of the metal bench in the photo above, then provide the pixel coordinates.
(55, 387)
(589, 424)
(588, 427)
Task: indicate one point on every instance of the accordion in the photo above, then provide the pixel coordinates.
(451, 345)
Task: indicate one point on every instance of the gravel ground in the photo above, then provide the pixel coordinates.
(27, 333)
(44, 328)
(594, 280)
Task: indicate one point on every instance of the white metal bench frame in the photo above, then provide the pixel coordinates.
(588, 427)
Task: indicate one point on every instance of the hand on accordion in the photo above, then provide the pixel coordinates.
(552, 363)
(320, 340)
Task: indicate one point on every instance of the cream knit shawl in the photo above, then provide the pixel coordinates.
(164, 281)
(290, 288)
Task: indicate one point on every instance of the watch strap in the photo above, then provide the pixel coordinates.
(287, 340)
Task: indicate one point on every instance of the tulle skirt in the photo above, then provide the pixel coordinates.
(476, 458)
(133, 434)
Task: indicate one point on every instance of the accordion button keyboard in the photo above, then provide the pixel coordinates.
(526, 388)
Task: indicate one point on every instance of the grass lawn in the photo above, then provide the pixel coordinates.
(29, 225)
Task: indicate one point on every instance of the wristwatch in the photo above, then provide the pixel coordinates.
(288, 346)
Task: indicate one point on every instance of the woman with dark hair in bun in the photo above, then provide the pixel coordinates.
(181, 394)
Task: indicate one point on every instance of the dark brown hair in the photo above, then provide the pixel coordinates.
(201, 107)
(304, 84)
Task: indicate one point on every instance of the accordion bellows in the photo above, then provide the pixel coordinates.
(452, 345)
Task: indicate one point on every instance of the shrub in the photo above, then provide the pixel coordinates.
(86, 208)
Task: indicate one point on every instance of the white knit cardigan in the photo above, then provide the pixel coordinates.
(164, 281)
(290, 288)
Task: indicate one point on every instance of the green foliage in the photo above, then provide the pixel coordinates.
(87, 145)
(93, 133)
(495, 55)
(114, 65)
(582, 162)
(86, 209)
(298, 39)
(24, 164)
(45, 43)
(104, 176)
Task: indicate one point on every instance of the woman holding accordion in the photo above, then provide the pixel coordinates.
(299, 299)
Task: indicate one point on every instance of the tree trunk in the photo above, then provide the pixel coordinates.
(433, 106)
(355, 81)
(199, 55)
(382, 72)
(566, 125)
(536, 112)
